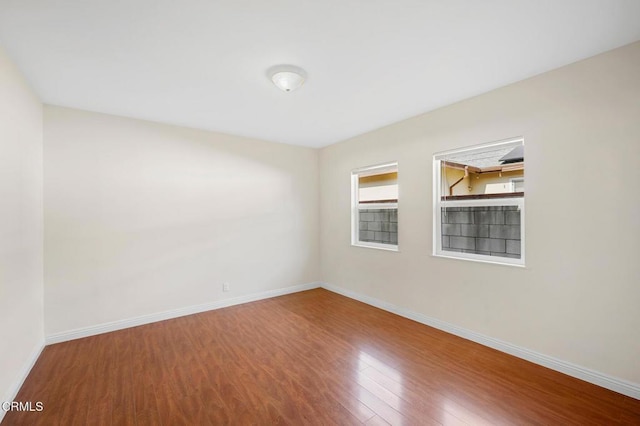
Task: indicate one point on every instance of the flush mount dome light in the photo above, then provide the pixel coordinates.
(287, 77)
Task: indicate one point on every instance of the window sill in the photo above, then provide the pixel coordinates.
(386, 247)
(492, 262)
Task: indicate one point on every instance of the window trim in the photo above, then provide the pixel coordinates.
(355, 205)
(506, 201)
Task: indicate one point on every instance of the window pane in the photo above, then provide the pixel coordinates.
(378, 225)
(486, 230)
(378, 188)
(374, 220)
(482, 173)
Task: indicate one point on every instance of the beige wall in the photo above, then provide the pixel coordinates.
(141, 217)
(21, 303)
(577, 298)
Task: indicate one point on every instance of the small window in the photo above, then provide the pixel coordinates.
(517, 185)
(374, 215)
(479, 202)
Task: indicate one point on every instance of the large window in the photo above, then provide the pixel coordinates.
(479, 202)
(374, 213)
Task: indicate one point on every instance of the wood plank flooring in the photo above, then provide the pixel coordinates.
(302, 359)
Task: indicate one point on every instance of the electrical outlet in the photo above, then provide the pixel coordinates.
(225, 287)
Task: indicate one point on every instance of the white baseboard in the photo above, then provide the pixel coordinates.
(609, 382)
(613, 383)
(22, 376)
(174, 313)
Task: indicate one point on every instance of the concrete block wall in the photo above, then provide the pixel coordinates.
(492, 231)
(379, 226)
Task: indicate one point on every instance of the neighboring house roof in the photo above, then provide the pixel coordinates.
(500, 159)
(480, 159)
(516, 154)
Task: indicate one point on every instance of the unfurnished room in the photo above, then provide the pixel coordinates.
(411, 212)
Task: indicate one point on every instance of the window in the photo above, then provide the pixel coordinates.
(479, 202)
(374, 214)
(517, 185)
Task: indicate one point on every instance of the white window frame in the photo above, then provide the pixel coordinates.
(355, 205)
(513, 183)
(507, 201)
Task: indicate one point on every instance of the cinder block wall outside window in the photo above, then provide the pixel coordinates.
(379, 226)
(492, 231)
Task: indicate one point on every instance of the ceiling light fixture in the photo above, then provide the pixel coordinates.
(287, 77)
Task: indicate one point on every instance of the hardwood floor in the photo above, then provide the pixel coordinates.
(307, 358)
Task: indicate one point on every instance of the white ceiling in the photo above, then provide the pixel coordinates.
(202, 63)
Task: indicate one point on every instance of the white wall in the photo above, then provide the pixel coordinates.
(142, 218)
(21, 304)
(577, 299)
